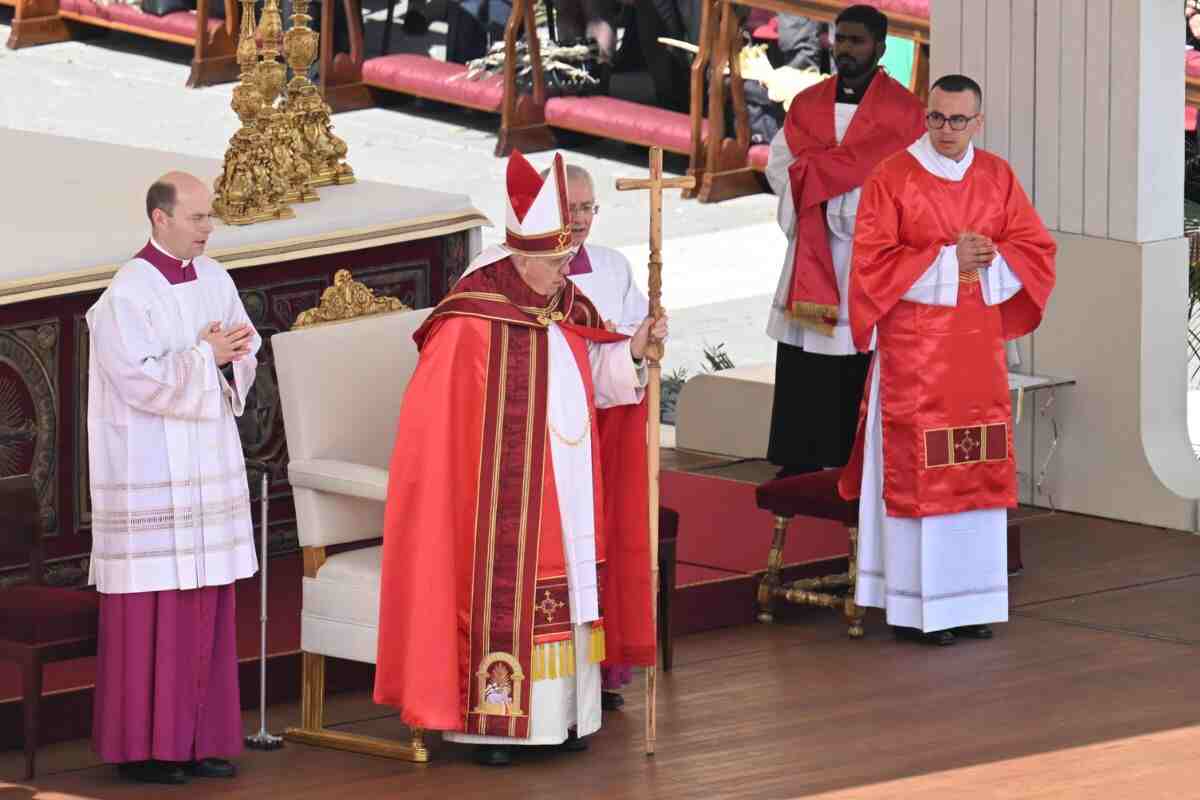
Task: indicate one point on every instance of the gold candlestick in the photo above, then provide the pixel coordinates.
(287, 152)
(248, 190)
(308, 111)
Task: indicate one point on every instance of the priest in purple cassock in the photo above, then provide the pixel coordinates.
(172, 358)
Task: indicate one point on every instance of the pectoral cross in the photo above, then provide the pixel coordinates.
(654, 353)
(655, 184)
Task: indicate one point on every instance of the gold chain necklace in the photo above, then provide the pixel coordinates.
(569, 442)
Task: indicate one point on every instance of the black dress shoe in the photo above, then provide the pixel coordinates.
(493, 756)
(152, 772)
(574, 744)
(210, 768)
(939, 638)
(975, 631)
(611, 701)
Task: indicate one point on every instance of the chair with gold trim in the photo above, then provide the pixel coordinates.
(813, 494)
(342, 371)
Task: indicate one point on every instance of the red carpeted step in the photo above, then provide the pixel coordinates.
(283, 629)
(432, 79)
(721, 526)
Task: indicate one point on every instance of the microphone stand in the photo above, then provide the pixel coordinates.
(263, 740)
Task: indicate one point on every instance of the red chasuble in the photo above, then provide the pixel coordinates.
(946, 409)
(889, 118)
(473, 568)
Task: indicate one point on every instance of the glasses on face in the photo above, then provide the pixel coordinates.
(937, 120)
(590, 209)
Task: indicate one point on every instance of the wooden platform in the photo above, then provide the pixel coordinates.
(1089, 691)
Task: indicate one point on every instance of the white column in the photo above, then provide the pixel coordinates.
(1085, 99)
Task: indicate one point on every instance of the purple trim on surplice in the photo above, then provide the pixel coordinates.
(174, 270)
(166, 676)
(581, 264)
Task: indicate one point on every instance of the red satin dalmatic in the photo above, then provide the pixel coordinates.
(463, 470)
(888, 119)
(946, 409)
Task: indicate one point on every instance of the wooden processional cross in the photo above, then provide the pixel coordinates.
(654, 353)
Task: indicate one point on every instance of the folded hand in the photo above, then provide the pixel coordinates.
(228, 345)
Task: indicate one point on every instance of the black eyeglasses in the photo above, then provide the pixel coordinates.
(937, 120)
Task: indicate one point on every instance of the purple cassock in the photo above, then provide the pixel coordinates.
(166, 670)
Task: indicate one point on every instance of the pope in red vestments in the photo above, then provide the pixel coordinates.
(950, 261)
(515, 553)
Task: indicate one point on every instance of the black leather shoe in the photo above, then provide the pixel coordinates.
(940, 638)
(574, 744)
(493, 756)
(611, 701)
(975, 631)
(210, 768)
(151, 772)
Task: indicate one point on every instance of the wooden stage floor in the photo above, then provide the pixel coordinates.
(1091, 691)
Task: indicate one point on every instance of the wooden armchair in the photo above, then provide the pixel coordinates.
(41, 623)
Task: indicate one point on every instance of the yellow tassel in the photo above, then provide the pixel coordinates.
(567, 668)
(552, 662)
(538, 668)
(597, 655)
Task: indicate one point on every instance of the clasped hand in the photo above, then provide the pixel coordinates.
(974, 251)
(228, 345)
(650, 330)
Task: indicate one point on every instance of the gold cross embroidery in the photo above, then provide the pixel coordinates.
(549, 606)
(966, 446)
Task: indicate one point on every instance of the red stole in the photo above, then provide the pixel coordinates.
(946, 409)
(888, 119)
(473, 570)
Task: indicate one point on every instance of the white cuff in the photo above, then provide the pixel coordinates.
(939, 285)
(998, 282)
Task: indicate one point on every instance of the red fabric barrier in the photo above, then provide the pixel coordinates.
(433, 79)
(624, 121)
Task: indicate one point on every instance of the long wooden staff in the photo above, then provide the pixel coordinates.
(654, 353)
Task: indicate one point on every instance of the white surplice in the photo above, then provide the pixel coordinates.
(170, 505)
(949, 570)
(840, 214)
(573, 701)
(611, 289)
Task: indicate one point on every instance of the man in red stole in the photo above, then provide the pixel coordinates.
(950, 261)
(836, 132)
(515, 550)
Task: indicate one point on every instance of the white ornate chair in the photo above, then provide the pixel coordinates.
(342, 372)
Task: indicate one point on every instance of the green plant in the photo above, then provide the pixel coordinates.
(1191, 228)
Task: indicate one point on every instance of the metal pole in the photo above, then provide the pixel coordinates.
(263, 740)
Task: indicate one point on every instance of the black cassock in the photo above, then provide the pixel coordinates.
(815, 414)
